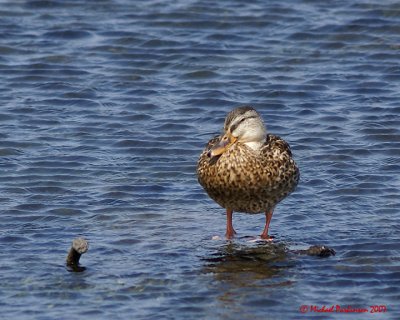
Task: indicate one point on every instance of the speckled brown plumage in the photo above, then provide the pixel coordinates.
(247, 180)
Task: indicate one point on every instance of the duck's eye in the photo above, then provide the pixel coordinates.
(235, 125)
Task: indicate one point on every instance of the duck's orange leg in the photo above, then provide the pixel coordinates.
(268, 216)
(230, 232)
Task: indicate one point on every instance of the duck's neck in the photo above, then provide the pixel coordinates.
(255, 145)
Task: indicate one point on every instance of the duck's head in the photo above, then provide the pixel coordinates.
(243, 125)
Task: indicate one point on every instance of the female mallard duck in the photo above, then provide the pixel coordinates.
(245, 169)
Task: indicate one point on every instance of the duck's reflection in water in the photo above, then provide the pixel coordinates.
(248, 274)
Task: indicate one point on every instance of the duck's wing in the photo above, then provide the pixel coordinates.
(212, 142)
(274, 146)
(204, 160)
(278, 163)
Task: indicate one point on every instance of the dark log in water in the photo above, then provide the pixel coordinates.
(320, 251)
(79, 247)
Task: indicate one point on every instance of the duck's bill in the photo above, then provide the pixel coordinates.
(226, 141)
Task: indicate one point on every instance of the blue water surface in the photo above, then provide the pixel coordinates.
(105, 107)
